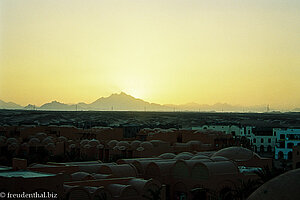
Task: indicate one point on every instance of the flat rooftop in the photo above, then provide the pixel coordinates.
(24, 174)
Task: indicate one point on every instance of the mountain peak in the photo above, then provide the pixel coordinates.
(120, 94)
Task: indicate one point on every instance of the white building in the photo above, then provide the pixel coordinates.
(236, 131)
(263, 139)
(286, 139)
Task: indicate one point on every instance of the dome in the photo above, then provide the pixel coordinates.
(3, 138)
(199, 157)
(80, 176)
(11, 140)
(112, 143)
(101, 176)
(34, 142)
(186, 153)
(115, 148)
(286, 186)
(94, 142)
(122, 191)
(123, 143)
(84, 142)
(87, 146)
(47, 141)
(72, 146)
(122, 170)
(140, 149)
(235, 153)
(219, 158)
(135, 144)
(41, 135)
(146, 145)
(183, 157)
(156, 143)
(167, 156)
(121, 148)
(13, 147)
(2, 141)
(50, 147)
(76, 192)
(62, 139)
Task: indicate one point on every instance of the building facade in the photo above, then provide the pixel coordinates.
(286, 140)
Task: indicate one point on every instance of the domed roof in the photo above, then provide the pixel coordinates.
(116, 148)
(41, 135)
(34, 142)
(286, 186)
(219, 158)
(62, 139)
(13, 147)
(11, 140)
(135, 144)
(2, 138)
(112, 143)
(2, 141)
(183, 157)
(123, 143)
(199, 157)
(47, 140)
(156, 143)
(140, 149)
(50, 146)
(186, 153)
(72, 146)
(79, 176)
(146, 145)
(94, 142)
(87, 146)
(119, 190)
(235, 153)
(194, 142)
(167, 156)
(84, 142)
(121, 148)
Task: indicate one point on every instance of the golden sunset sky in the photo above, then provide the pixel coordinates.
(164, 51)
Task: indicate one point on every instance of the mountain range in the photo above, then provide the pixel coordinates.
(125, 102)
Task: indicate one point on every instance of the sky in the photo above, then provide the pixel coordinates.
(164, 51)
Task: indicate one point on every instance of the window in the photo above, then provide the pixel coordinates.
(290, 145)
(262, 140)
(254, 140)
(269, 140)
(282, 136)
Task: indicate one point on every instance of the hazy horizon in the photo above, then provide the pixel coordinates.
(168, 52)
(188, 106)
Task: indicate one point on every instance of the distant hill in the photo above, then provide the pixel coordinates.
(125, 102)
(9, 105)
(54, 105)
(296, 110)
(30, 107)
